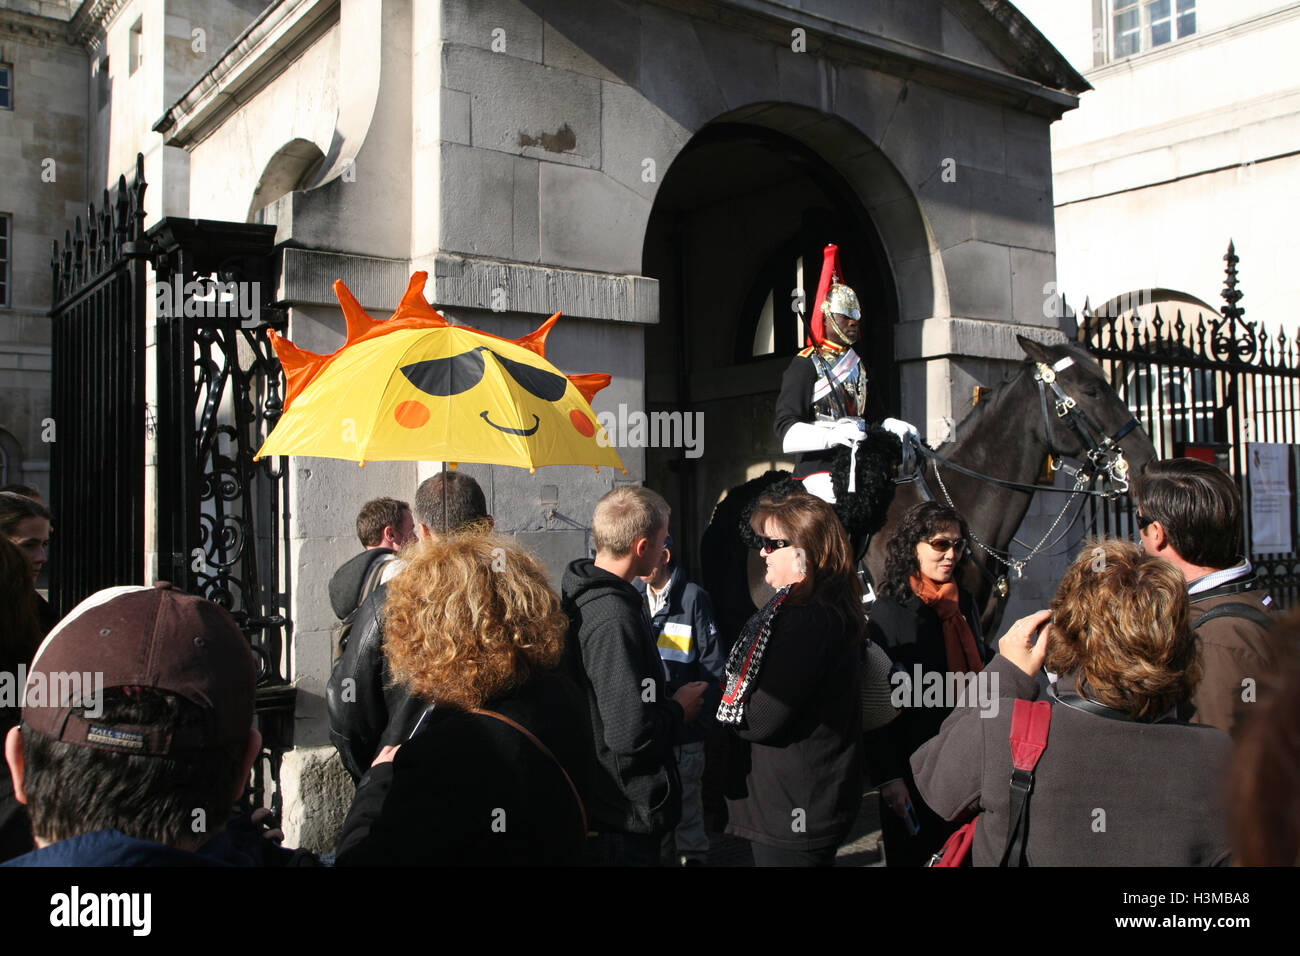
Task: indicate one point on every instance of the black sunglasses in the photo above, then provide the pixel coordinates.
(772, 544)
(1143, 521)
(943, 544)
(459, 373)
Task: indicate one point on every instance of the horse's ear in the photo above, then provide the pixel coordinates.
(1035, 350)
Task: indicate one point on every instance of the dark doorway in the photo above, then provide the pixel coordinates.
(738, 227)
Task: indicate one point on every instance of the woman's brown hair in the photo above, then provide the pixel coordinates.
(811, 524)
(1120, 622)
(469, 619)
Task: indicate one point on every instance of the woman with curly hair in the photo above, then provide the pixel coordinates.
(491, 774)
(791, 692)
(930, 628)
(1122, 781)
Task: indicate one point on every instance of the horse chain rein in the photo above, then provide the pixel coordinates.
(1017, 565)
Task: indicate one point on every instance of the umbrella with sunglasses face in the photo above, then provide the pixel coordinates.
(416, 388)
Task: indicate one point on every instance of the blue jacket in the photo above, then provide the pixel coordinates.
(234, 846)
(689, 645)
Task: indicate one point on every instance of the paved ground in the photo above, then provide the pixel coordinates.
(862, 849)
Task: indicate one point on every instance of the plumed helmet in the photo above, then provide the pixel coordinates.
(842, 300)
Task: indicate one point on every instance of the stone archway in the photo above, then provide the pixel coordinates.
(746, 204)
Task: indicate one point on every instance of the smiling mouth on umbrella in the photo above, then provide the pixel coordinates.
(512, 431)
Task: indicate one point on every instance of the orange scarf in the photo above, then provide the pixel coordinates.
(958, 641)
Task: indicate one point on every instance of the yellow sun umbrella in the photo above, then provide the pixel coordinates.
(416, 388)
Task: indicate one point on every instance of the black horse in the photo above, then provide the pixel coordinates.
(1006, 437)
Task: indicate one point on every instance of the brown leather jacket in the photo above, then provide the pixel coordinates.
(1237, 653)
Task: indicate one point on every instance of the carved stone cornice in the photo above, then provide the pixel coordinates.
(31, 29)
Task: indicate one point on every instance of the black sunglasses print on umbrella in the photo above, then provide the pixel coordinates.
(445, 377)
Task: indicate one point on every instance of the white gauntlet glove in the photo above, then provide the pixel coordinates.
(818, 436)
(900, 428)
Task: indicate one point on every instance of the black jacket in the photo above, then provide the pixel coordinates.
(611, 656)
(366, 711)
(345, 585)
(911, 633)
(794, 774)
(468, 789)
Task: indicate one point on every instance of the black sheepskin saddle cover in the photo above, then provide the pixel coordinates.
(862, 513)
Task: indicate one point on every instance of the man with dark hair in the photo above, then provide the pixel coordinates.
(366, 712)
(1189, 513)
(137, 735)
(384, 527)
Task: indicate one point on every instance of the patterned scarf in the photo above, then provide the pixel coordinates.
(958, 641)
(746, 660)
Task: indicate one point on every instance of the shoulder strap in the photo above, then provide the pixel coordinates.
(582, 810)
(1030, 721)
(374, 574)
(1236, 609)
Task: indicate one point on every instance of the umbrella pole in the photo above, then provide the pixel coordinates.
(444, 499)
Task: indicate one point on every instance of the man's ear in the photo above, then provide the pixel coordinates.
(251, 750)
(640, 547)
(14, 757)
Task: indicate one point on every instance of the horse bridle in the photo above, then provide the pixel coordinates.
(1102, 453)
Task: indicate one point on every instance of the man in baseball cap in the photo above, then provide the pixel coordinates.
(137, 734)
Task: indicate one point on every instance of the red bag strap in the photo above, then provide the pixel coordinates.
(1030, 721)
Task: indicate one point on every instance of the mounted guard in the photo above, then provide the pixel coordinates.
(821, 413)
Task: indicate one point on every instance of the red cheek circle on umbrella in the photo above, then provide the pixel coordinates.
(411, 414)
(582, 423)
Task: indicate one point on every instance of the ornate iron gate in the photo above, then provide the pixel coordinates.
(97, 462)
(219, 512)
(1214, 384)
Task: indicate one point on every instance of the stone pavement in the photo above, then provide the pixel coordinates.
(862, 849)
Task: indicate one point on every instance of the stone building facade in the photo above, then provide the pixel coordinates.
(664, 173)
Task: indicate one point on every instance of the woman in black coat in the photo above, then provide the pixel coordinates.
(490, 775)
(930, 629)
(791, 697)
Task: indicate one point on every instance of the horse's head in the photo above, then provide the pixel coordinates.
(1085, 418)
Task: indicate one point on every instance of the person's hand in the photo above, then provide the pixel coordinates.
(900, 428)
(1018, 644)
(848, 431)
(690, 697)
(385, 755)
(263, 817)
(896, 797)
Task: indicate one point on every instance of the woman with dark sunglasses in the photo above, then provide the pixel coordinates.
(930, 628)
(791, 692)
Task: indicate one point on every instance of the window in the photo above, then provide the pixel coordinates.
(134, 52)
(102, 88)
(6, 86)
(1141, 25)
(4, 260)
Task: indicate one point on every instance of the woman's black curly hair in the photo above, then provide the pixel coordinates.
(919, 522)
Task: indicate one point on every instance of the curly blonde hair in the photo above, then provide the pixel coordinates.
(1120, 620)
(469, 619)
